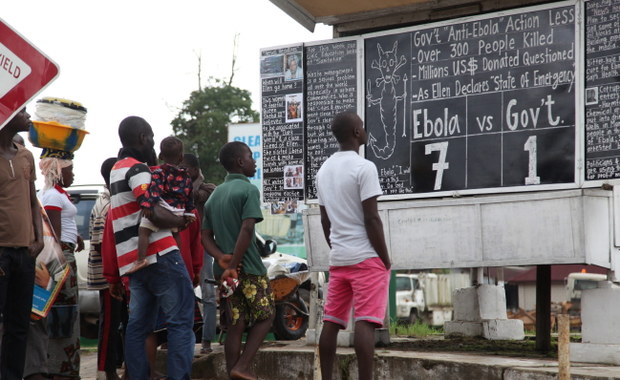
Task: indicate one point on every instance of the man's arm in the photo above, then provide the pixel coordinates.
(190, 206)
(208, 242)
(202, 195)
(37, 245)
(163, 218)
(109, 260)
(197, 249)
(241, 246)
(108, 253)
(374, 229)
(326, 224)
(139, 180)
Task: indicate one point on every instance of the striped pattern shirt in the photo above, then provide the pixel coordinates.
(129, 180)
(95, 279)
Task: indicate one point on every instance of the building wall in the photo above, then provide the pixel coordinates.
(527, 295)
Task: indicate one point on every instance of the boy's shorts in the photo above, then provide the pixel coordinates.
(363, 285)
(252, 301)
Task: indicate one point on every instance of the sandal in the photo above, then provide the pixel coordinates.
(206, 350)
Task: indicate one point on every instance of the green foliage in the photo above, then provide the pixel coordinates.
(203, 122)
(418, 330)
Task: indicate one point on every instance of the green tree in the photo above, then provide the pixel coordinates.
(202, 123)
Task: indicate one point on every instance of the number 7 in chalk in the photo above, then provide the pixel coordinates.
(440, 165)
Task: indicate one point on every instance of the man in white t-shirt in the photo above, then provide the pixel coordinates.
(359, 273)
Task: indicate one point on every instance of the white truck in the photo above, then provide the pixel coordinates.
(578, 281)
(427, 297)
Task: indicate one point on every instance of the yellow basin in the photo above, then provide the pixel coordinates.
(54, 135)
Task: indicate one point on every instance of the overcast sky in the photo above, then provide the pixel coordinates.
(138, 57)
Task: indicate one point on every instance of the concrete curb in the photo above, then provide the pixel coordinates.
(290, 361)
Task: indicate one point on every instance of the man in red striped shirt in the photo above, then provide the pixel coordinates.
(164, 283)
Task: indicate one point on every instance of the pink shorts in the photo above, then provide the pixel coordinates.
(363, 285)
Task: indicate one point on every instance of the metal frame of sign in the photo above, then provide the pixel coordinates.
(578, 86)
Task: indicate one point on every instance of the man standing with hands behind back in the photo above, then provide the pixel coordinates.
(359, 273)
(20, 242)
(228, 235)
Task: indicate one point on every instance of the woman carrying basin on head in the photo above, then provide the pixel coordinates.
(57, 168)
(63, 320)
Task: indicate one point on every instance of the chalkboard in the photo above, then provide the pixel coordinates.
(488, 102)
(282, 123)
(602, 92)
(331, 87)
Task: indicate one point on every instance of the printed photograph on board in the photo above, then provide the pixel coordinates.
(282, 208)
(294, 177)
(591, 95)
(271, 66)
(294, 111)
(293, 69)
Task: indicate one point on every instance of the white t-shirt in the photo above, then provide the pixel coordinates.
(53, 198)
(343, 182)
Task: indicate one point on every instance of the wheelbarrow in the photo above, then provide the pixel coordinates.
(291, 319)
(291, 314)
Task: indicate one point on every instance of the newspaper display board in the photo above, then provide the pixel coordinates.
(331, 87)
(488, 102)
(602, 90)
(282, 114)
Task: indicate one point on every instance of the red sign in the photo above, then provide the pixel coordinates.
(24, 72)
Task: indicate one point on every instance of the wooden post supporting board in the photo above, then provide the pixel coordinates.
(543, 308)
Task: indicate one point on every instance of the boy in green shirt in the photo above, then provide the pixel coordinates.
(228, 235)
